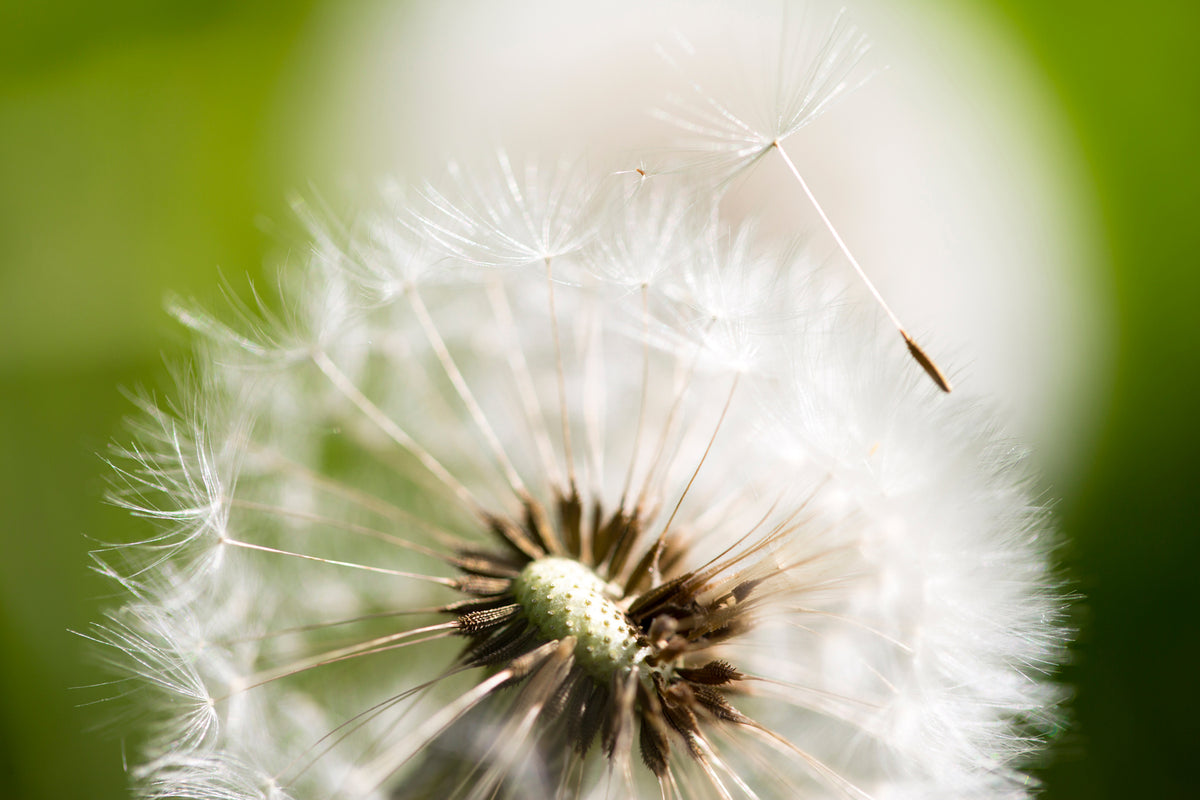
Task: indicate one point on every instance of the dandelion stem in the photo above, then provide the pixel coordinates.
(511, 741)
(398, 755)
(684, 381)
(593, 397)
(915, 350)
(662, 537)
(561, 377)
(644, 393)
(524, 380)
(349, 527)
(382, 570)
(339, 734)
(378, 645)
(367, 500)
(316, 626)
(394, 431)
(822, 769)
(464, 392)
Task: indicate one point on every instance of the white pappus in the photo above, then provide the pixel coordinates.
(550, 483)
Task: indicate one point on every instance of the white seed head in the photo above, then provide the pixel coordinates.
(525, 488)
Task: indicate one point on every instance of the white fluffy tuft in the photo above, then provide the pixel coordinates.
(520, 333)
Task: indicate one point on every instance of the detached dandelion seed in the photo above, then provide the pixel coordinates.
(556, 485)
(808, 81)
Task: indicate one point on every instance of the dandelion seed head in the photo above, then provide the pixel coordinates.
(525, 485)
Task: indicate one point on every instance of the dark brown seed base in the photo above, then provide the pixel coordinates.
(678, 615)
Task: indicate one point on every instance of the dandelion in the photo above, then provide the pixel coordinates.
(543, 484)
(809, 79)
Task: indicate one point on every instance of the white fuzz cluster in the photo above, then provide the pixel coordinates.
(548, 482)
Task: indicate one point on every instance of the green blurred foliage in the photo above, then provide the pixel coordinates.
(139, 143)
(1129, 78)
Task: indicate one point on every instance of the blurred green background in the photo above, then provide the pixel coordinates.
(141, 142)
